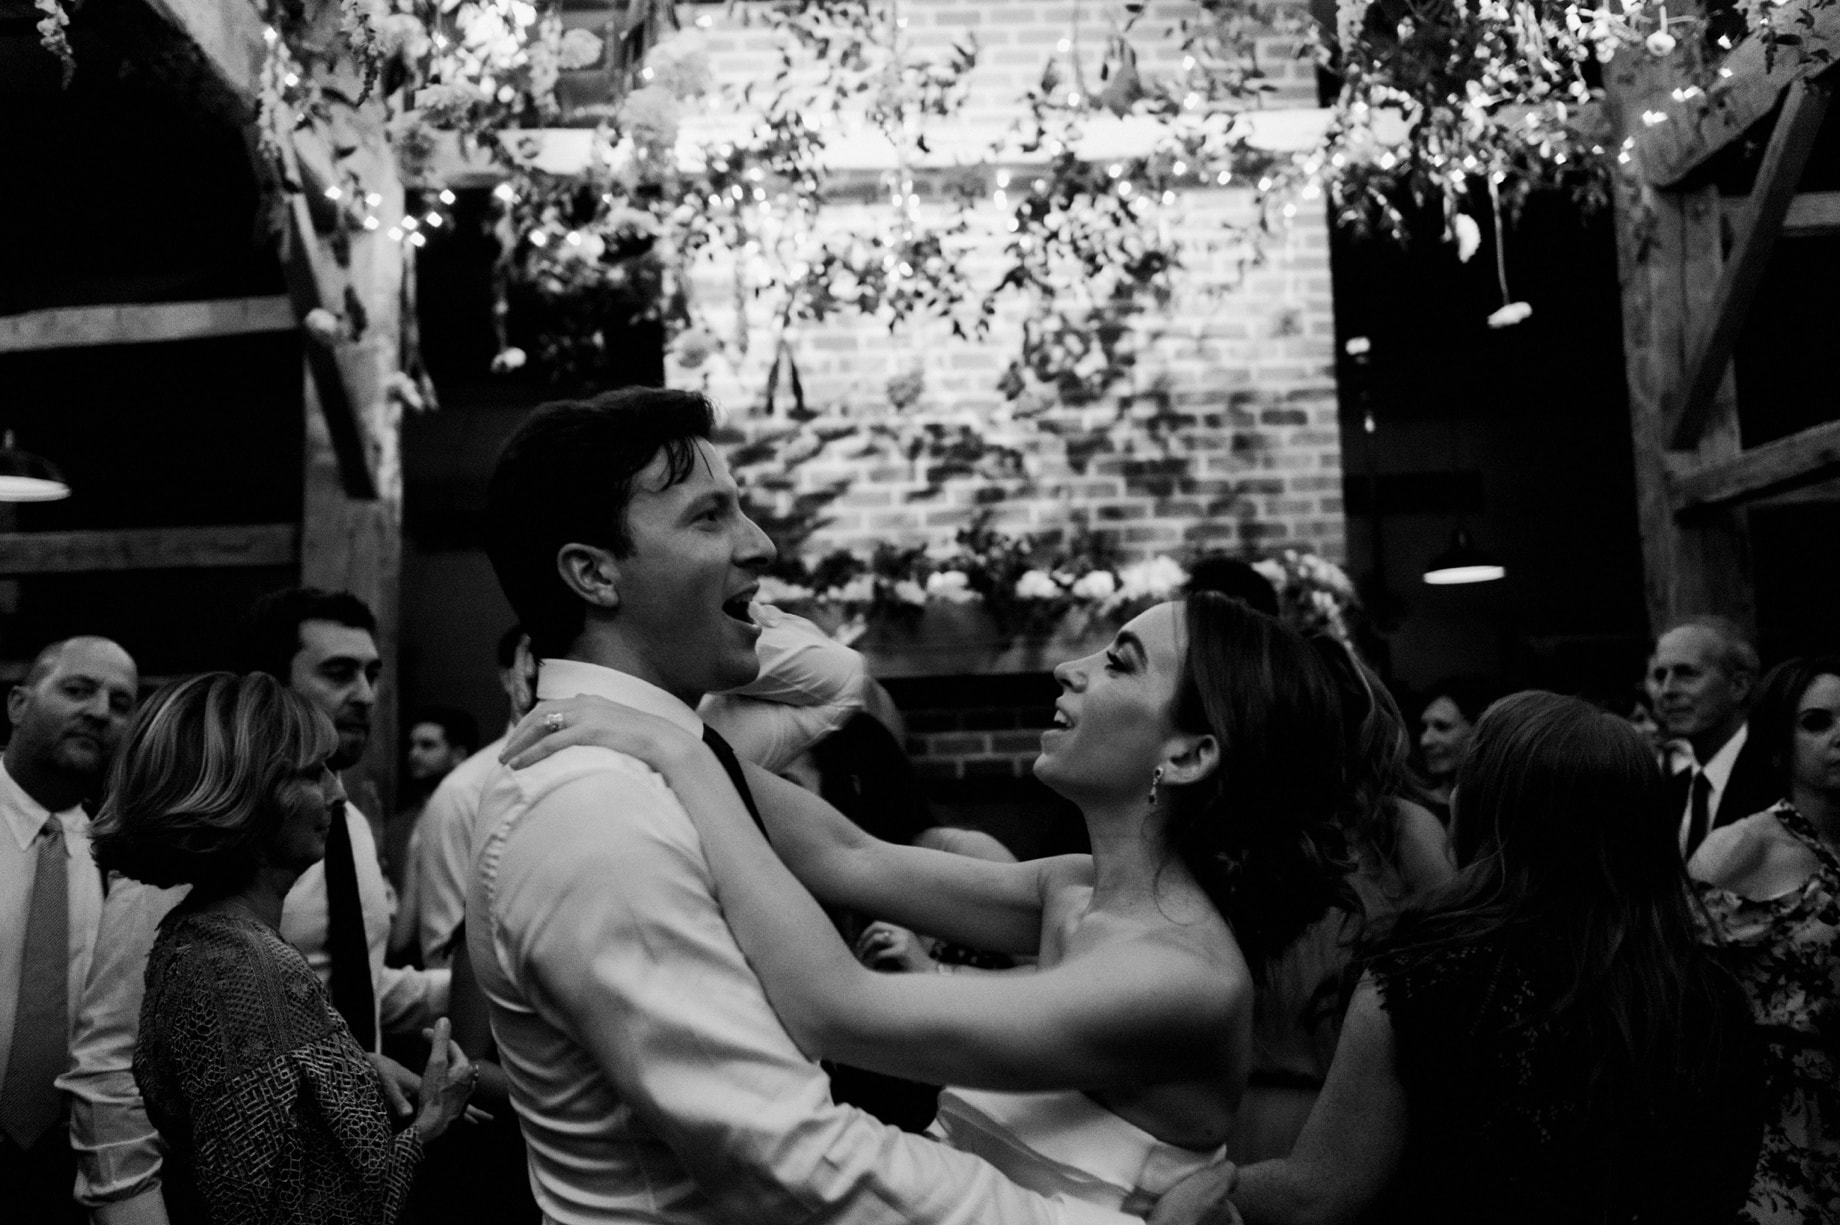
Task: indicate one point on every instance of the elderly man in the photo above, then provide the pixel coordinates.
(1703, 671)
(323, 645)
(68, 716)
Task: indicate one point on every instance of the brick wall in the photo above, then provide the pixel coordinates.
(1247, 454)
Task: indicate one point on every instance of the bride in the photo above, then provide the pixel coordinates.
(1204, 749)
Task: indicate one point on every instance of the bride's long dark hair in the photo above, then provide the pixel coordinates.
(1261, 834)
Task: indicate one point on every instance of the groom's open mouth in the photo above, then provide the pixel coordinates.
(736, 606)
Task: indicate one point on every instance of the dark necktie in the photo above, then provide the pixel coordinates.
(1701, 819)
(726, 756)
(346, 943)
(29, 1101)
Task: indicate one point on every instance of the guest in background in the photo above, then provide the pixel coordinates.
(1543, 1039)
(1400, 852)
(270, 1110)
(1638, 707)
(1772, 893)
(1704, 670)
(1446, 723)
(68, 714)
(322, 646)
(439, 739)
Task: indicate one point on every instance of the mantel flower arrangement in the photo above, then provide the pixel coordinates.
(1029, 589)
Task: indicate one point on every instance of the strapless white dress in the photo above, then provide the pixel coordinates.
(1064, 1143)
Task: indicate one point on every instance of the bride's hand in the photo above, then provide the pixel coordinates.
(559, 723)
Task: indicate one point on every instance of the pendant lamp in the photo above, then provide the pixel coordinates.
(1463, 562)
(25, 477)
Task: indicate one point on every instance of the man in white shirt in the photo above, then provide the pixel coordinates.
(323, 645)
(68, 715)
(1702, 673)
(652, 1079)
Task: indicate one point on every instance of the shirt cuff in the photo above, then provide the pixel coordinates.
(147, 1208)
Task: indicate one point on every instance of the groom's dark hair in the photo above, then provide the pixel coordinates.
(566, 477)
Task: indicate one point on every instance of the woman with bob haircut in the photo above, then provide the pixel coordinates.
(1203, 747)
(1542, 1039)
(1772, 891)
(270, 1110)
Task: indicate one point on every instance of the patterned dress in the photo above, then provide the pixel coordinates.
(271, 1111)
(1786, 952)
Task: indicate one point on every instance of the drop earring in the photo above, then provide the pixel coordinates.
(1156, 780)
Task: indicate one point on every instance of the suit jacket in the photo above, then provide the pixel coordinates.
(1753, 786)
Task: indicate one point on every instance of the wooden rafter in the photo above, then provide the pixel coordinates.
(1694, 126)
(1804, 107)
(229, 34)
(1799, 460)
(144, 323)
(160, 548)
(1812, 214)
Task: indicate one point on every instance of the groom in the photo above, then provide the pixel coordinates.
(653, 1081)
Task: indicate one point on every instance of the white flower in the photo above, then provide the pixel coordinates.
(1272, 571)
(1156, 578)
(1468, 234)
(403, 33)
(1095, 585)
(779, 591)
(859, 590)
(951, 586)
(1659, 43)
(1510, 315)
(942, 550)
(323, 326)
(447, 103)
(579, 49)
(694, 347)
(1036, 585)
(508, 360)
(909, 592)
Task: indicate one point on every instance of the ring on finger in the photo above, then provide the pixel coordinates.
(554, 721)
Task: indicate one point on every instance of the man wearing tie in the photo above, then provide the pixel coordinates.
(68, 715)
(1703, 673)
(651, 1077)
(322, 644)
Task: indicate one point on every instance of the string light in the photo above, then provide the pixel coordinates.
(333, 193)
(446, 196)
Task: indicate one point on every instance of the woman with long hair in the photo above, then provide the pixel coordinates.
(1542, 1039)
(1399, 850)
(1203, 749)
(1772, 893)
(271, 1112)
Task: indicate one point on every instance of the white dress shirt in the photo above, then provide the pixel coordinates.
(24, 818)
(118, 1150)
(1718, 774)
(652, 1079)
(809, 686)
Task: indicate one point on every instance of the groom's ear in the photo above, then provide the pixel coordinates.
(591, 572)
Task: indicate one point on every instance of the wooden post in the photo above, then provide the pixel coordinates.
(1668, 263)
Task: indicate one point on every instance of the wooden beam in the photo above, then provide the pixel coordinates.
(1775, 467)
(346, 431)
(1812, 214)
(74, 327)
(229, 34)
(160, 548)
(1804, 108)
(1694, 126)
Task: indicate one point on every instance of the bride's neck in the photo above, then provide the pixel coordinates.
(1130, 863)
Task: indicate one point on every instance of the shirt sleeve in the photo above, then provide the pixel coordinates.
(619, 942)
(118, 1149)
(441, 865)
(809, 686)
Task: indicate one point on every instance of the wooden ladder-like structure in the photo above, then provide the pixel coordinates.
(1685, 299)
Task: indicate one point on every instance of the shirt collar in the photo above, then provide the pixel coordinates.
(1718, 770)
(25, 817)
(566, 678)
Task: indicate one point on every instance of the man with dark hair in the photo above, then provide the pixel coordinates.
(440, 738)
(651, 1076)
(1703, 671)
(68, 715)
(322, 645)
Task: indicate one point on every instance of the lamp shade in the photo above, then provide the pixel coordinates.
(1463, 562)
(25, 477)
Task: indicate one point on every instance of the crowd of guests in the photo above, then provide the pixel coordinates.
(1525, 958)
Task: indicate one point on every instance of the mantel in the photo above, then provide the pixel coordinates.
(946, 639)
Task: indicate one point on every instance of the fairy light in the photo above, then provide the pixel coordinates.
(760, 193)
(704, 22)
(1169, 197)
(1073, 97)
(646, 73)
(1651, 118)
(1115, 169)
(1192, 101)
(1180, 168)
(1224, 177)
(333, 193)
(410, 223)
(1002, 178)
(270, 34)
(396, 233)
(418, 240)
(446, 196)
(1124, 188)
(539, 238)
(370, 223)
(1188, 63)
(1064, 45)
(1265, 183)
(434, 221)
(504, 192)
(573, 238)
(291, 79)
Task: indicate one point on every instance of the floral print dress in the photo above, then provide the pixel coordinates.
(1786, 952)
